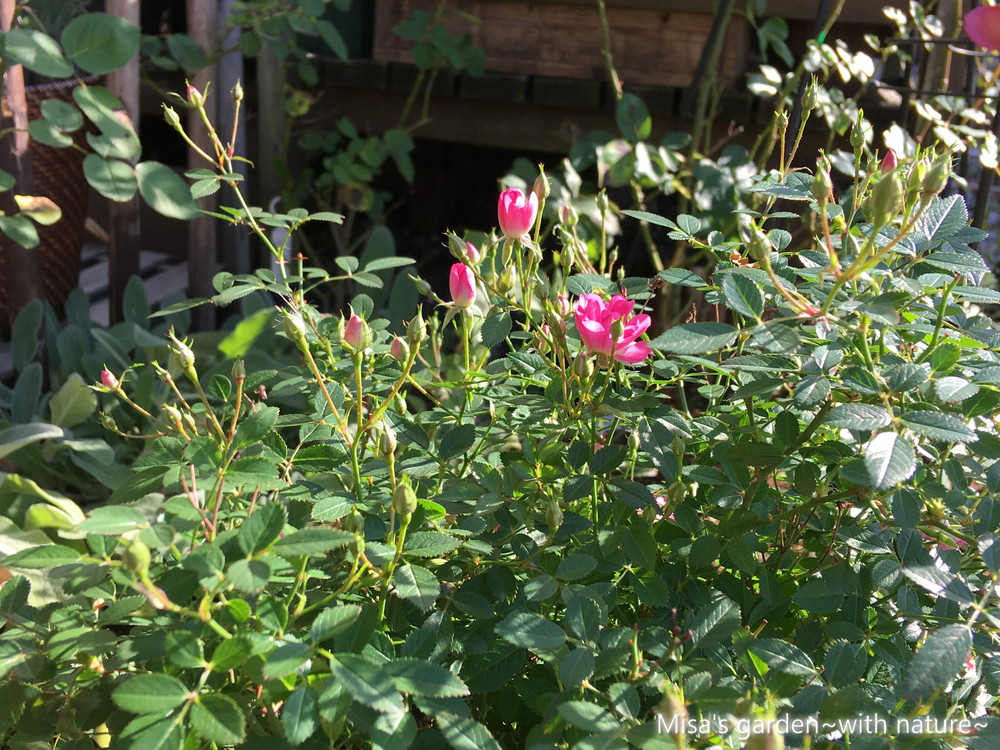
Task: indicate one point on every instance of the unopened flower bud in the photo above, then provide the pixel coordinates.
(194, 96)
(237, 92)
(423, 288)
(172, 118)
(416, 329)
(385, 439)
(108, 422)
(173, 414)
(568, 215)
(541, 187)
(858, 133)
(886, 199)
(936, 178)
(136, 557)
(239, 370)
(109, 381)
(617, 329)
(553, 516)
(399, 350)
(822, 185)
(889, 162)
(353, 522)
(582, 366)
(404, 500)
(295, 330)
(355, 335)
(473, 254)
(810, 97)
(184, 354)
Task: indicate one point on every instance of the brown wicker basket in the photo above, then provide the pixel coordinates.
(58, 174)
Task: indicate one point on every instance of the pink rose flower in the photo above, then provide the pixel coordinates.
(595, 319)
(982, 24)
(462, 283)
(516, 212)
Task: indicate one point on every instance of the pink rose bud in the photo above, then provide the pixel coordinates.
(194, 95)
(399, 349)
(889, 161)
(355, 333)
(609, 328)
(462, 283)
(516, 212)
(473, 253)
(982, 24)
(108, 380)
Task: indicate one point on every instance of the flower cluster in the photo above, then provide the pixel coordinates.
(608, 327)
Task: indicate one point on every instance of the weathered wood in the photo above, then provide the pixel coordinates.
(20, 264)
(123, 218)
(656, 47)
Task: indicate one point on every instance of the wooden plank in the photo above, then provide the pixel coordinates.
(650, 46)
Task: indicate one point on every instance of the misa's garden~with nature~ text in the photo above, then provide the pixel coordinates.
(748, 500)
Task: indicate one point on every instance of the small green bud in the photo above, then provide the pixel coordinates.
(173, 414)
(136, 557)
(239, 371)
(885, 200)
(759, 247)
(810, 97)
(416, 329)
(353, 522)
(184, 354)
(295, 330)
(237, 92)
(385, 439)
(617, 329)
(936, 178)
(553, 516)
(423, 288)
(357, 546)
(172, 118)
(858, 133)
(541, 187)
(822, 185)
(404, 500)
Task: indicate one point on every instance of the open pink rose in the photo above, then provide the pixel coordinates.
(595, 318)
(516, 212)
(982, 24)
(462, 283)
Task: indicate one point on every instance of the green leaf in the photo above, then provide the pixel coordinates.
(818, 597)
(714, 622)
(532, 631)
(465, 733)
(100, 43)
(963, 262)
(368, 683)
(24, 337)
(495, 329)
(112, 519)
(112, 178)
(682, 277)
(742, 295)
(858, 417)
(249, 575)
(416, 585)
(951, 389)
(218, 718)
(419, 677)
(333, 620)
(254, 426)
(313, 540)
(459, 439)
(660, 221)
(889, 459)
(37, 52)
(938, 426)
(989, 549)
(300, 715)
(44, 556)
(845, 664)
(588, 716)
(245, 334)
(151, 732)
(73, 403)
(811, 391)
(165, 191)
(937, 662)
(150, 694)
(261, 528)
(430, 544)
(575, 566)
(19, 229)
(632, 118)
(783, 657)
(286, 659)
(17, 436)
(231, 653)
(576, 666)
(695, 338)
(142, 482)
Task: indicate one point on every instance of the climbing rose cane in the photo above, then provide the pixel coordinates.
(516, 212)
(982, 24)
(595, 318)
(462, 283)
